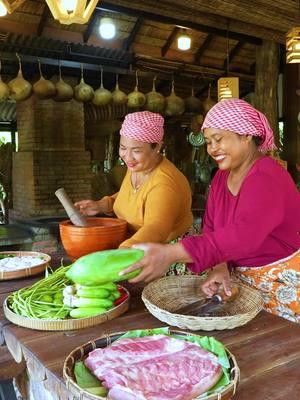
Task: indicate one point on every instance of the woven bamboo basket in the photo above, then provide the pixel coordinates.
(167, 294)
(25, 272)
(81, 352)
(65, 324)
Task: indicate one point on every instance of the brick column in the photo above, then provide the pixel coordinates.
(51, 154)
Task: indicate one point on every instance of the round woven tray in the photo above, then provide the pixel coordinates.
(24, 272)
(167, 294)
(80, 352)
(65, 324)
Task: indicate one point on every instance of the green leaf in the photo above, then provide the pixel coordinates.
(84, 378)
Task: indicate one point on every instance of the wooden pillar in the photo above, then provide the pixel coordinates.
(291, 111)
(266, 81)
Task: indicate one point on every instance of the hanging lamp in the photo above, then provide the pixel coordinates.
(293, 46)
(228, 87)
(7, 6)
(72, 11)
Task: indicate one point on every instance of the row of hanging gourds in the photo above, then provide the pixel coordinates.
(20, 89)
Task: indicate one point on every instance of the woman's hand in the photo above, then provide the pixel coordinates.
(156, 261)
(218, 276)
(88, 207)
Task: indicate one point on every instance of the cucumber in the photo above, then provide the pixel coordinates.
(91, 292)
(116, 294)
(102, 267)
(85, 312)
(89, 302)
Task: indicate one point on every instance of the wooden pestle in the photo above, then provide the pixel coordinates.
(74, 215)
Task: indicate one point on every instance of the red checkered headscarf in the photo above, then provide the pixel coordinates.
(238, 116)
(144, 126)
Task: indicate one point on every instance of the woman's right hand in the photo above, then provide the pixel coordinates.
(88, 207)
(218, 276)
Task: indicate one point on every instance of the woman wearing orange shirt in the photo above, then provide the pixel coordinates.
(155, 197)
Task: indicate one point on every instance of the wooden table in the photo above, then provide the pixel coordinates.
(267, 350)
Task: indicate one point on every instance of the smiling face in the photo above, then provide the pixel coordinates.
(228, 149)
(138, 156)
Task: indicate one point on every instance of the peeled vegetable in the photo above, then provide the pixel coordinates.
(83, 92)
(136, 99)
(192, 103)
(43, 88)
(4, 89)
(86, 312)
(155, 101)
(118, 96)
(104, 266)
(174, 104)
(102, 96)
(64, 91)
(20, 89)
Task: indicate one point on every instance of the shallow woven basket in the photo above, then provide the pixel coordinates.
(81, 352)
(25, 272)
(65, 324)
(167, 294)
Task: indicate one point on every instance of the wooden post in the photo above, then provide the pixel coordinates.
(267, 69)
(291, 103)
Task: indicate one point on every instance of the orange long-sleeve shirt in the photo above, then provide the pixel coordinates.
(160, 210)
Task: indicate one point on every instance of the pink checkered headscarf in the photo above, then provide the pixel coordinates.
(238, 116)
(144, 126)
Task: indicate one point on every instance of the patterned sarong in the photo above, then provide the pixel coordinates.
(279, 284)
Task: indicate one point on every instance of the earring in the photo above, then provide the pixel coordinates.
(157, 151)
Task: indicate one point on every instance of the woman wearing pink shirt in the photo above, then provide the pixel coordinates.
(251, 225)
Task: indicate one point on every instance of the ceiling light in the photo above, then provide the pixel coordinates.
(72, 11)
(228, 88)
(184, 42)
(293, 46)
(107, 28)
(3, 9)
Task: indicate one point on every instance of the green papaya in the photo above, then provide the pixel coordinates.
(104, 266)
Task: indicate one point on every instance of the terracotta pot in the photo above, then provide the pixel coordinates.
(100, 234)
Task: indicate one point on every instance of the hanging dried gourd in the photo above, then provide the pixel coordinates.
(83, 92)
(136, 99)
(118, 96)
(174, 104)
(20, 89)
(4, 89)
(155, 101)
(64, 91)
(208, 103)
(43, 88)
(102, 96)
(193, 104)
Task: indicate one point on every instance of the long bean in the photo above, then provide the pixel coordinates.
(28, 301)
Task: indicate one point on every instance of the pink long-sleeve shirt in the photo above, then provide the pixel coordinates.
(258, 226)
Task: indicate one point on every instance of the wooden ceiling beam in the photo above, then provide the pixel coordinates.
(44, 17)
(205, 45)
(90, 27)
(103, 6)
(235, 50)
(130, 39)
(169, 41)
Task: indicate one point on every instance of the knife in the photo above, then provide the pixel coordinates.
(206, 306)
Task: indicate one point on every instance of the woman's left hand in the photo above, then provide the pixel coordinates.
(155, 263)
